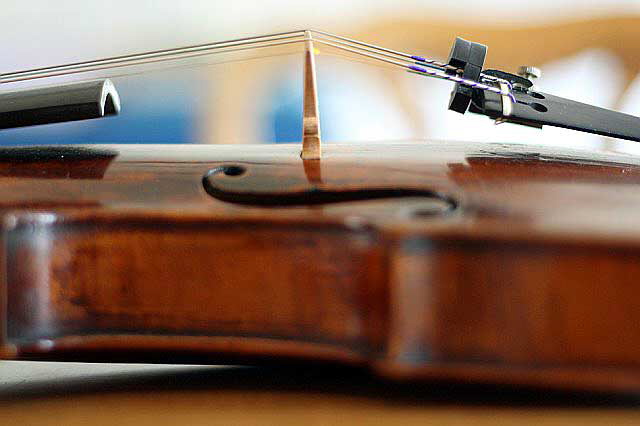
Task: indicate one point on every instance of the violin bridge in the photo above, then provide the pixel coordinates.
(311, 148)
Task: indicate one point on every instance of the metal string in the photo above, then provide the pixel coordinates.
(412, 63)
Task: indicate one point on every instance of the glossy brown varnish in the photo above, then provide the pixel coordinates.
(531, 280)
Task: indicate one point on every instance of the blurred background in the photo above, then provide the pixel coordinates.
(588, 51)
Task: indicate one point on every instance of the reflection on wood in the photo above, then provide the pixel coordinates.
(531, 280)
(55, 162)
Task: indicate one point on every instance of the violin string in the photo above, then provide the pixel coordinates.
(421, 70)
(206, 46)
(372, 49)
(137, 59)
(414, 58)
(422, 62)
(426, 67)
(99, 67)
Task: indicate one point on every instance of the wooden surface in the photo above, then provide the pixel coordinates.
(79, 394)
(486, 263)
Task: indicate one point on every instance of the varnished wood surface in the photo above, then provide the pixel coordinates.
(79, 394)
(529, 280)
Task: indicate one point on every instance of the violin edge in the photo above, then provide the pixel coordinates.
(409, 307)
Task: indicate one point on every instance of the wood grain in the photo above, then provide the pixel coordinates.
(528, 280)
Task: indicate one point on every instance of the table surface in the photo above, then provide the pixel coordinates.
(38, 393)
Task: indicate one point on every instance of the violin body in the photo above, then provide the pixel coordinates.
(474, 262)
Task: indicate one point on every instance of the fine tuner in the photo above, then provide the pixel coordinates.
(502, 96)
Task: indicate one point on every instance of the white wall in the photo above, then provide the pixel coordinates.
(42, 32)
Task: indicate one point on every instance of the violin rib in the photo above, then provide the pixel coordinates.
(528, 278)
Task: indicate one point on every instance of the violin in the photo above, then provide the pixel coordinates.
(473, 262)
